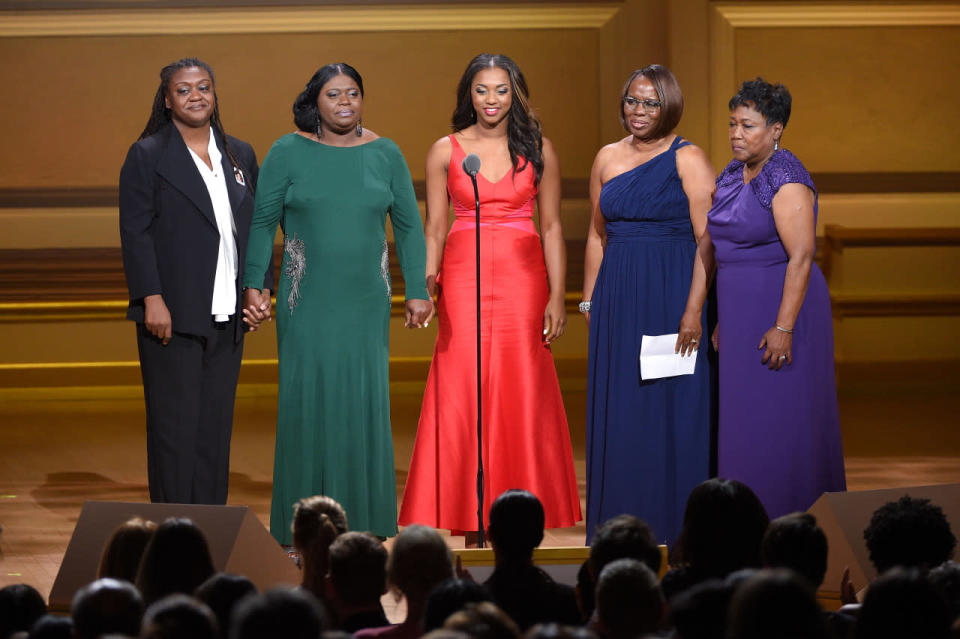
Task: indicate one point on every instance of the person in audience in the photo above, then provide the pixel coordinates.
(700, 612)
(52, 627)
(122, 552)
(20, 607)
(221, 593)
(624, 537)
(419, 561)
(945, 579)
(280, 612)
(910, 532)
(775, 604)
(483, 620)
(526, 593)
(796, 542)
(176, 560)
(358, 578)
(106, 606)
(317, 521)
(629, 601)
(179, 617)
(723, 526)
(444, 633)
(450, 596)
(902, 603)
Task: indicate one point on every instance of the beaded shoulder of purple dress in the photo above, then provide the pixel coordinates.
(731, 174)
(783, 167)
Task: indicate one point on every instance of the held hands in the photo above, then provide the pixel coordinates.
(689, 334)
(554, 320)
(156, 317)
(419, 313)
(776, 346)
(715, 338)
(256, 307)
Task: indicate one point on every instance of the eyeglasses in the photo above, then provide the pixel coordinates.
(649, 106)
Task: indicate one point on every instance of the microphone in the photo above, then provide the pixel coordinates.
(471, 165)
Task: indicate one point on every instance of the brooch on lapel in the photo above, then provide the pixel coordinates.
(238, 174)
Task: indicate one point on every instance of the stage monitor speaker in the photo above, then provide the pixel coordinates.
(844, 516)
(239, 544)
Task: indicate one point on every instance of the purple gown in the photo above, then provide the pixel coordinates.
(779, 431)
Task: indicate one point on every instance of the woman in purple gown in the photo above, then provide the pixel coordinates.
(779, 429)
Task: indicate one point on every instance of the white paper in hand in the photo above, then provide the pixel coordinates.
(658, 359)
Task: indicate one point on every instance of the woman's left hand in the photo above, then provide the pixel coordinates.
(419, 313)
(689, 334)
(554, 320)
(776, 346)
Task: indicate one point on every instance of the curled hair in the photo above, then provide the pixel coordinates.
(160, 114)
(772, 101)
(668, 93)
(910, 532)
(305, 114)
(524, 132)
(317, 522)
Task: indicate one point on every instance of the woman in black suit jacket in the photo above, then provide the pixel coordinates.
(186, 201)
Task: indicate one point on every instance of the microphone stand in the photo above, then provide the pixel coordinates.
(480, 531)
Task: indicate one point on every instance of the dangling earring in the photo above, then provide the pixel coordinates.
(776, 145)
(359, 127)
(319, 129)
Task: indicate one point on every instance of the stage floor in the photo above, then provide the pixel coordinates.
(60, 448)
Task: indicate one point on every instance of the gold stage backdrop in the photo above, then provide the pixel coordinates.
(873, 107)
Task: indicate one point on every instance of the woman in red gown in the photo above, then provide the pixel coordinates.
(526, 442)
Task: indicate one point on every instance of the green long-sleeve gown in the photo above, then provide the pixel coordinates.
(332, 316)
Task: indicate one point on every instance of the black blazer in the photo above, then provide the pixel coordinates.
(168, 230)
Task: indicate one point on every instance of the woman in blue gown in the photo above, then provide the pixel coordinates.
(648, 441)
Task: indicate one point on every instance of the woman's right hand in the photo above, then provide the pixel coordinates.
(156, 317)
(715, 338)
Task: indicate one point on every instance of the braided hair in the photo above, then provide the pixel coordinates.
(524, 132)
(160, 114)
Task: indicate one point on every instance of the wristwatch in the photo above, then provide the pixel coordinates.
(585, 306)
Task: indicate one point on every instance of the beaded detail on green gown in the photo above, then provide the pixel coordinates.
(332, 317)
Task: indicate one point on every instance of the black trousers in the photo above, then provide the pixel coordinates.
(189, 387)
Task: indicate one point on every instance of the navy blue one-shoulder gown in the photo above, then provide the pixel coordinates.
(647, 441)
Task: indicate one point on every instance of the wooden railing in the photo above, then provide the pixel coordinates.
(877, 304)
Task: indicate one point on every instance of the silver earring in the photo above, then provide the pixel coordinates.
(319, 129)
(359, 128)
(776, 145)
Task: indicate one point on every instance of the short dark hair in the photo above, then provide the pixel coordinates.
(700, 612)
(280, 612)
(772, 101)
(358, 567)
(449, 597)
(52, 627)
(668, 93)
(623, 536)
(911, 532)
(945, 579)
(723, 525)
(106, 606)
(483, 620)
(420, 560)
(179, 617)
(305, 112)
(795, 541)
(516, 524)
(629, 598)
(901, 603)
(20, 607)
(775, 604)
(221, 593)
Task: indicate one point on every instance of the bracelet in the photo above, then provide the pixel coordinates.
(788, 331)
(584, 306)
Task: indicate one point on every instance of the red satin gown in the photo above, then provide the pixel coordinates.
(526, 442)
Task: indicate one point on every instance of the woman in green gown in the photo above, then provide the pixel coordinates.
(330, 186)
